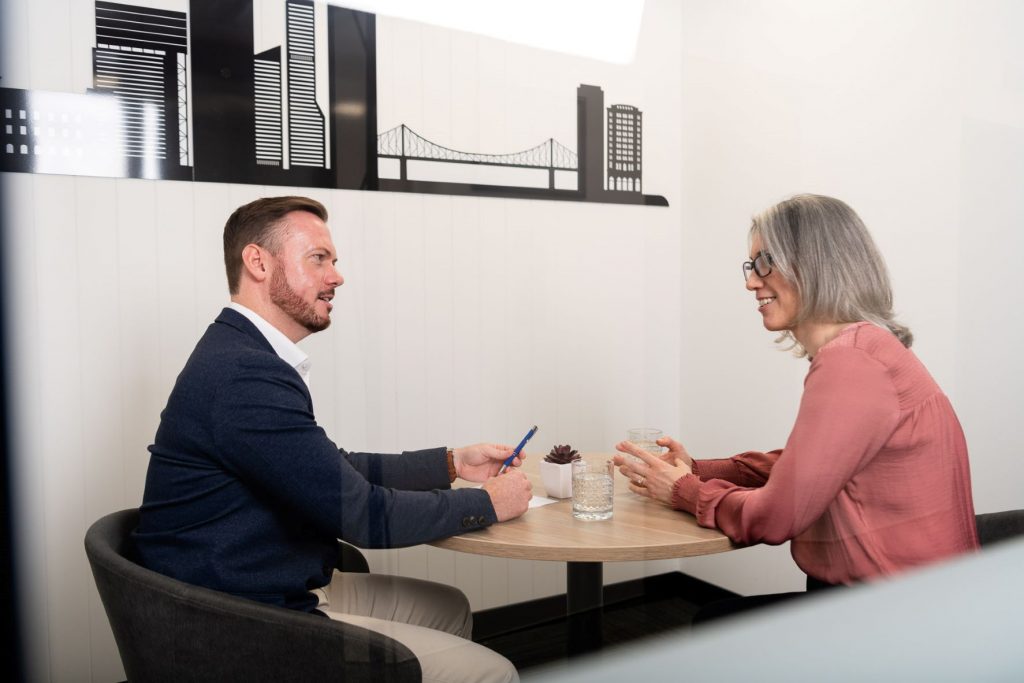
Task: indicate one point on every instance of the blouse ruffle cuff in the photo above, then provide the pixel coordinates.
(685, 493)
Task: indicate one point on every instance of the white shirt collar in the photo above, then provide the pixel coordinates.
(283, 346)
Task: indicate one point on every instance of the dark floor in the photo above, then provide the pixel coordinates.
(540, 634)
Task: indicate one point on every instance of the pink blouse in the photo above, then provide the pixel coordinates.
(873, 480)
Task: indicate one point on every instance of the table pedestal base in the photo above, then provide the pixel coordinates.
(584, 606)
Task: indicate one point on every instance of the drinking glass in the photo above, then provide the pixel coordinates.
(645, 438)
(592, 490)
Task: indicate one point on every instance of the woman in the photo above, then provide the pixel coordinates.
(874, 477)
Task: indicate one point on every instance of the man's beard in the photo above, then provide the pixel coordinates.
(291, 303)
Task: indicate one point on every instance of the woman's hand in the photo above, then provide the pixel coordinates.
(675, 453)
(655, 476)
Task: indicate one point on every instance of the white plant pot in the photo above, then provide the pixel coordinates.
(557, 479)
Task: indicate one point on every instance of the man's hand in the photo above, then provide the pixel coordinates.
(510, 494)
(482, 461)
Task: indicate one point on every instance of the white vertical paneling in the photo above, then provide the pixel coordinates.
(520, 584)
(465, 86)
(61, 446)
(410, 325)
(138, 294)
(434, 120)
(440, 566)
(439, 284)
(465, 340)
(411, 360)
(95, 234)
(548, 579)
(211, 206)
(176, 265)
(29, 471)
(377, 300)
(492, 271)
(348, 334)
(492, 97)
(521, 334)
(380, 308)
(494, 577)
(404, 101)
(97, 338)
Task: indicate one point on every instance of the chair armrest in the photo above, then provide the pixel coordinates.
(350, 559)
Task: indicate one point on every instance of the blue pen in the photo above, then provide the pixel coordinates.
(515, 453)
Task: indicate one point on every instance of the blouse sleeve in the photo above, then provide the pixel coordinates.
(847, 413)
(746, 469)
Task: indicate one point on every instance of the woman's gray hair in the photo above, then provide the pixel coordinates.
(821, 245)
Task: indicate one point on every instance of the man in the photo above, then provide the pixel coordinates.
(246, 494)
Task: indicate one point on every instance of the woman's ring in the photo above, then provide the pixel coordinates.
(640, 480)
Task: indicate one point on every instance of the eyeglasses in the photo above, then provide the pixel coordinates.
(760, 264)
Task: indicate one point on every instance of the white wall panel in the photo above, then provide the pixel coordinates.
(410, 329)
(95, 241)
(991, 333)
(143, 394)
(28, 416)
(176, 302)
(410, 323)
(439, 282)
(465, 125)
(60, 446)
(349, 342)
(100, 401)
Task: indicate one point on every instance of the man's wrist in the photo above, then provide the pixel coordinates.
(452, 473)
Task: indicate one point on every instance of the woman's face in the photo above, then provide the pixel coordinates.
(777, 298)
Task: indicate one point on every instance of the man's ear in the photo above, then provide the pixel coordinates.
(254, 260)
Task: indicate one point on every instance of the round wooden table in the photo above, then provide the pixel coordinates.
(640, 529)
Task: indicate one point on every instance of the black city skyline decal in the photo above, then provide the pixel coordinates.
(185, 97)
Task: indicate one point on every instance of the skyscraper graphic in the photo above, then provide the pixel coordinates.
(305, 120)
(590, 139)
(267, 73)
(625, 162)
(140, 58)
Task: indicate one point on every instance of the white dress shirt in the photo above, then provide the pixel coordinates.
(283, 346)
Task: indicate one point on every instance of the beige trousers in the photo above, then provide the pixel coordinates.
(432, 620)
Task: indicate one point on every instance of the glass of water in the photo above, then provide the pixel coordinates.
(645, 438)
(592, 490)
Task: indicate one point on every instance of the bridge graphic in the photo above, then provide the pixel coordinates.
(404, 144)
(275, 131)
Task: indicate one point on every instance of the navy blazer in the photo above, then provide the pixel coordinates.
(246, 494)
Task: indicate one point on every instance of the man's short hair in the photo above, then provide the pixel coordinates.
(258, 223)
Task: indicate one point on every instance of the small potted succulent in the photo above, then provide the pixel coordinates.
(556, 471)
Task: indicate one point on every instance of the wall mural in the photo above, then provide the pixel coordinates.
(185, 96)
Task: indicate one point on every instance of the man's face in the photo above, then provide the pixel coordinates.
(304, 277)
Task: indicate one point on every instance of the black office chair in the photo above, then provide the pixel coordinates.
(171, 631)
(999, 526)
